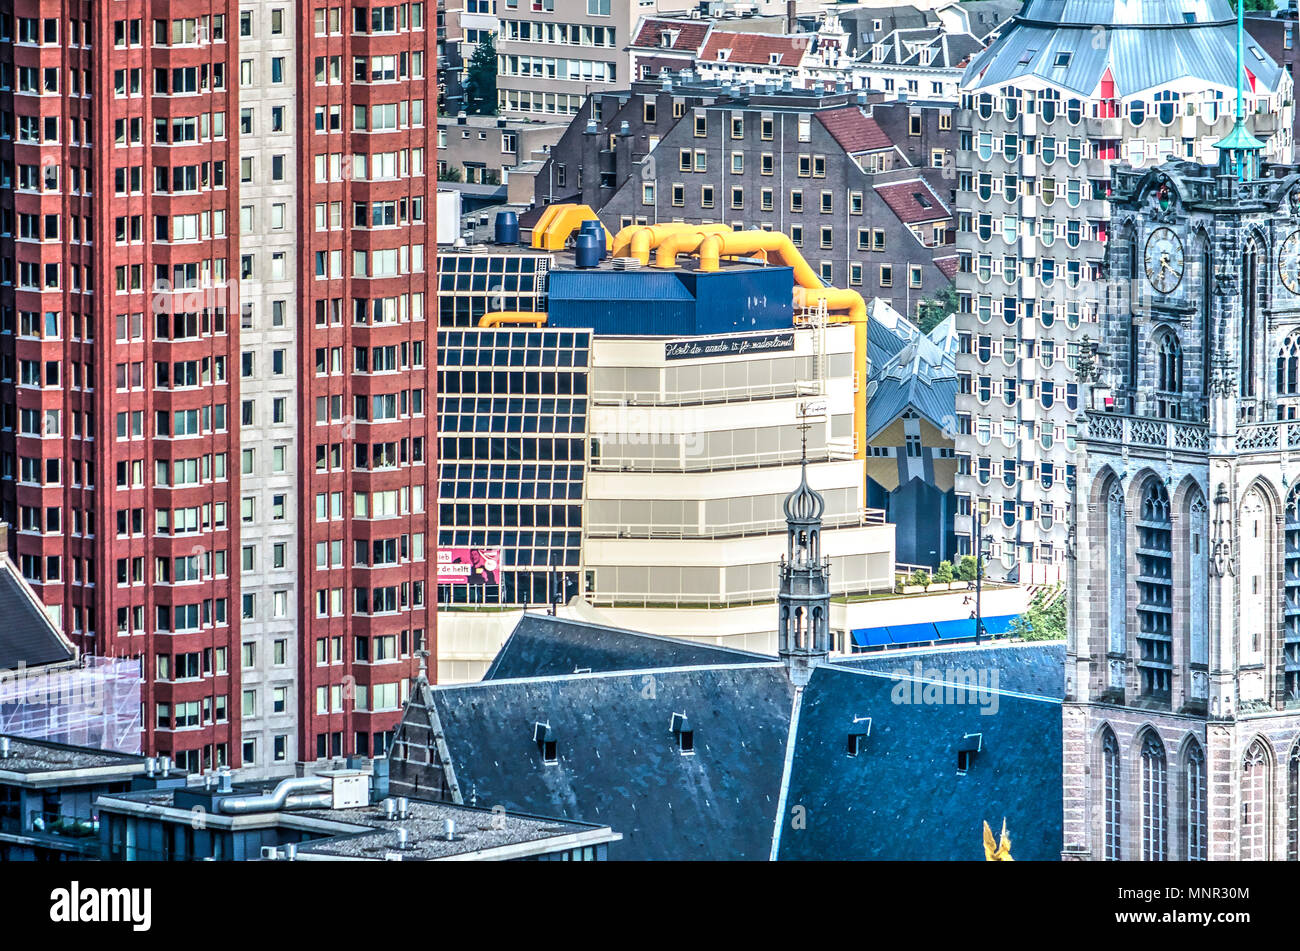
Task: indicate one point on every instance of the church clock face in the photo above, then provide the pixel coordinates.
(1164, 260)
(1288, 263)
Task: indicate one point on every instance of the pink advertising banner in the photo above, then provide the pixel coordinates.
(469, 566)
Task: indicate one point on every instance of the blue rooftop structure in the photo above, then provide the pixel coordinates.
(649, 302)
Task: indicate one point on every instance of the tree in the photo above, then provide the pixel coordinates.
(944, 574)
(920, 577)
(449, 174)
(929, 313)
(481, 79)
(1252, 5)
(1045, 617)
(966, 568)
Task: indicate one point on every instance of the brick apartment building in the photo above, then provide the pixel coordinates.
(866, 211)
(227, 275)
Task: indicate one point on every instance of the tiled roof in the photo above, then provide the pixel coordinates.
(690, 34)
(913, 201)
(755, 48)
(854, 130)
(948, 265)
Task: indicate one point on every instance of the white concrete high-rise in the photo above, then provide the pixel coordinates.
(1065, 93)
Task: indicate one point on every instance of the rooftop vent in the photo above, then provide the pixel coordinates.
(4, 748)
(449, 829)
(403, 839)
(624, 264)
(402, 806)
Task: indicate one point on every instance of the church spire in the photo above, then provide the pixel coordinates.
(803, 600)
(1239, 150)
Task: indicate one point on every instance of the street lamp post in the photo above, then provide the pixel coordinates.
(980, 518)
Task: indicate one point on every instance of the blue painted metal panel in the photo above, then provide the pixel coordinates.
(649, 302)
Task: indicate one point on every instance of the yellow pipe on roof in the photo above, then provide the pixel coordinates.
(535, 318)
(544, 222)
(553, 231)
(684, 242)
(649, 237)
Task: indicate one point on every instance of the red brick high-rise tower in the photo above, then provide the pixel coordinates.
(171, 279)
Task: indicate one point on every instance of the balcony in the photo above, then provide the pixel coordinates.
(1154, 433)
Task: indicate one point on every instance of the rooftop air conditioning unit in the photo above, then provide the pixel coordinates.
(271, 853)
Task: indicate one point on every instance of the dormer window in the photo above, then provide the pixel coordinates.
(545, 741)
(667, 38)
(774, 59)
(1062, 60)
(680, 727)
(971, 743)
(723, 55)
(858, 733)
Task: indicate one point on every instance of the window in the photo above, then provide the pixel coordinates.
(1152, 783)
(1110, 779)
(1196, 802)
(1255, 794)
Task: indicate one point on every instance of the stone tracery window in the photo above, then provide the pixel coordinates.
(1155, 819)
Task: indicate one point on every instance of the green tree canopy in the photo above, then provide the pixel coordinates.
(481, 79)
(1045, 617)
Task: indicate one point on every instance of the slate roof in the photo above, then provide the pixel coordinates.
(1138, 56)
(985, 16)
(914, 201)
(760, 750)
(1037, 669)
(920, 377)
(533, 650)
(27, 635)
(690, 34)
(901, 796)
(755, 49)
(854, 130)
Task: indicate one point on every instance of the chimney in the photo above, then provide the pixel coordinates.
(4, 747)
(791, 15)
(4, 541)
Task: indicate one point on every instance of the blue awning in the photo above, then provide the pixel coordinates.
(962, 627)
(871, 636)
(911, 633)
(1000, 624)
(959, 629)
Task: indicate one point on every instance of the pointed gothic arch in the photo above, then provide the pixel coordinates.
(1195, 793)
(1153, 568)
(1256, 806)
(1153, 795)
(1111, 795)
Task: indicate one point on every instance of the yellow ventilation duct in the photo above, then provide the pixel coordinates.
(500, 318)
(558, 223)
